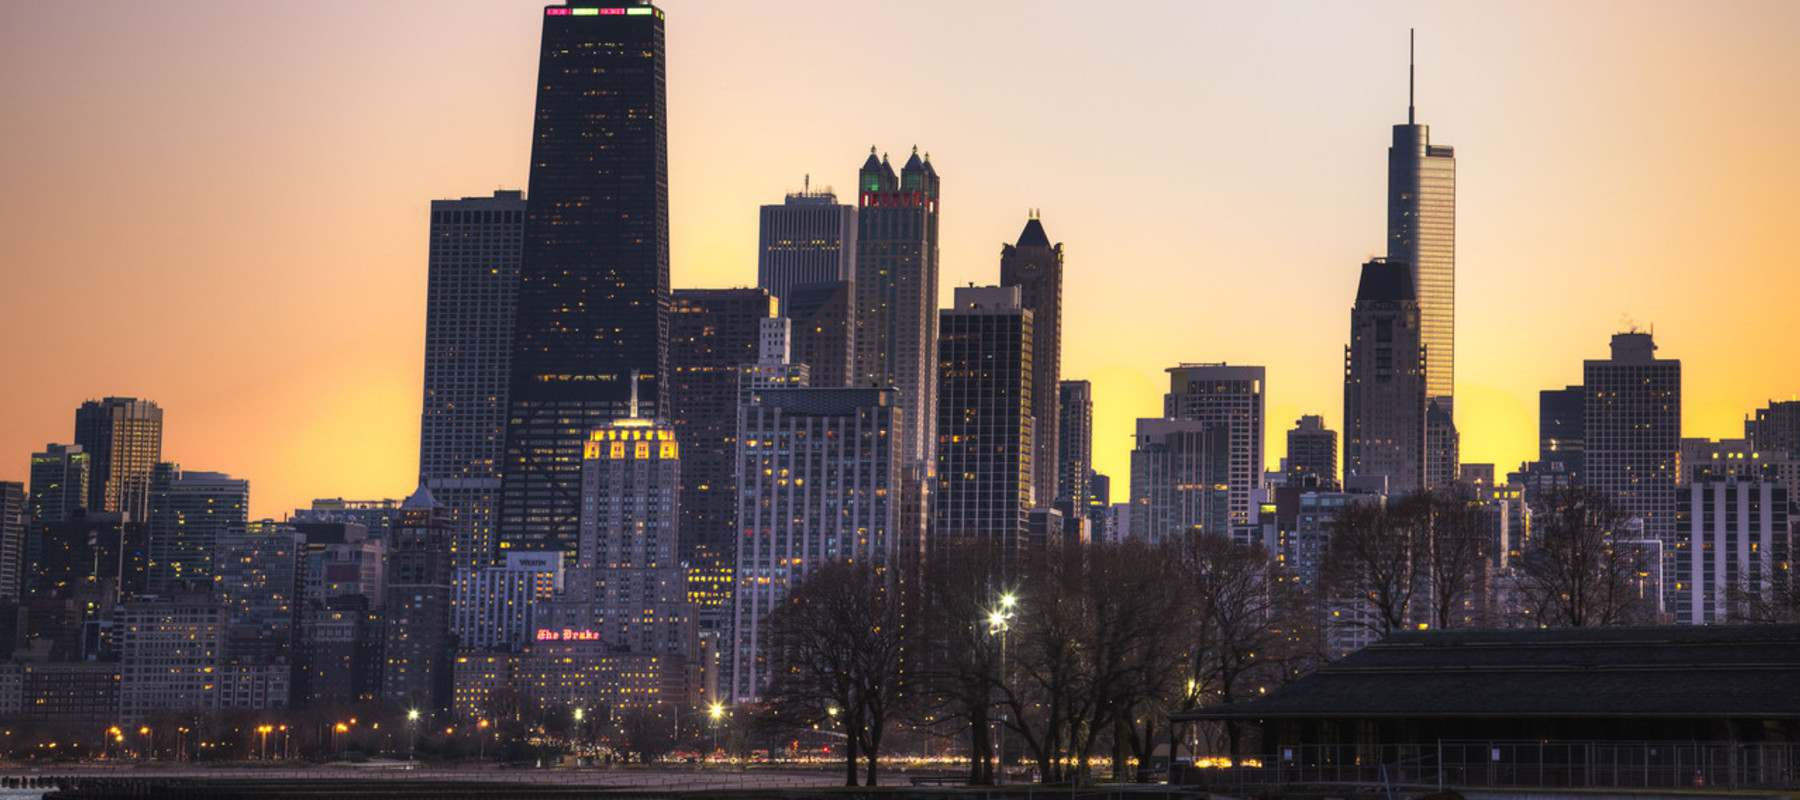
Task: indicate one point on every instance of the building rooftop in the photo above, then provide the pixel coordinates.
(1649, 672)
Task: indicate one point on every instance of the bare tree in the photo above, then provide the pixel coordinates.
(1371, 574)
(1234, 622)
(836, 646)
(960, 620)
(1089, 648)
(1453, 529)
(1579, 571)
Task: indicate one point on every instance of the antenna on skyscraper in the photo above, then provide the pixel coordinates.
(1411, 53)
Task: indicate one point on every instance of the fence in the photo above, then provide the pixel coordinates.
(1500, 764)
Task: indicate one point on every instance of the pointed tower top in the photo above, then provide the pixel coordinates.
(913, 163)
(421, 497)
(1411, 60)
(634, 394)
(1033, 235)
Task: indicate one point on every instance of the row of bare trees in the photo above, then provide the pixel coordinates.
(1064, 657)
(1059, 657)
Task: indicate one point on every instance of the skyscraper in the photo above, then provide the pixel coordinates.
(256, 576)
(1421, 233)
(1312, 455)
(59, 494)
(823, 324)
(1443, 445)
(594, 274)
(1733, 541)
(628, 584)
(1232, 399)
(123, 437)
(713, 333)
(897, 292)
(1776, 427)
(470, 298)
(190, 511)
(809, 238)
(1384, 381)
(1631, 420)
(821, 482)
(984, 460)
(12, 539)
(416, 651)
(1180, 478)
(1075, 446)
(1560, 435)
(1036, 267)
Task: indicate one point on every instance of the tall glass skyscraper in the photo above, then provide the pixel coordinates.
(594, 275)
(1421, 233)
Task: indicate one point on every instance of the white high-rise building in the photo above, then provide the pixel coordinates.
(821, 481)
(498, 606)
(1733, 538)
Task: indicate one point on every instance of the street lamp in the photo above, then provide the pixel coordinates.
(412, 738)
(149, 748)
(999, 622)
(717, 713)
(264, 730)
(481, 743)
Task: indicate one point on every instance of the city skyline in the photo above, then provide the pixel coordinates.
(262, 273)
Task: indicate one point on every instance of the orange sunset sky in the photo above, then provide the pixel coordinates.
(222, 206)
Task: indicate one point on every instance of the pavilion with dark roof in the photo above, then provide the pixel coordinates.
(1722, 683)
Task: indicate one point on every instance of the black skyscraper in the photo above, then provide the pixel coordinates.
(594, 279)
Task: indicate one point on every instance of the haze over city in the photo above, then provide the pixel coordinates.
(223, 207)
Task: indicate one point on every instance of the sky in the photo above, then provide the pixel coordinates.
(222, 207)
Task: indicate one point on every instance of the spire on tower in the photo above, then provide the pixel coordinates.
(1411, 59)
(634, 395)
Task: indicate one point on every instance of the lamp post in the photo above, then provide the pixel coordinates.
(716, 712)
(149, 748)
(481, 740)
(999, 622)
(264, 730)
(580, 714)
(412, 737)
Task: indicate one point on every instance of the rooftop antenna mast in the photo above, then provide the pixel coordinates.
(1411, 53)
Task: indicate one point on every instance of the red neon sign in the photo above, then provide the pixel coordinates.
(566, 635)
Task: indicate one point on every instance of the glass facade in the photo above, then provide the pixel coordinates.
(593, 303)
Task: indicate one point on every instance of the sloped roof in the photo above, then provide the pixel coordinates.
(1651, 672)
(1385, 281)
(1033, 235)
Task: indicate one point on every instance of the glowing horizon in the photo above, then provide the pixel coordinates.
(226, 212)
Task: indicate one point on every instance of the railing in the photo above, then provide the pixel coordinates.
(1496, 764)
